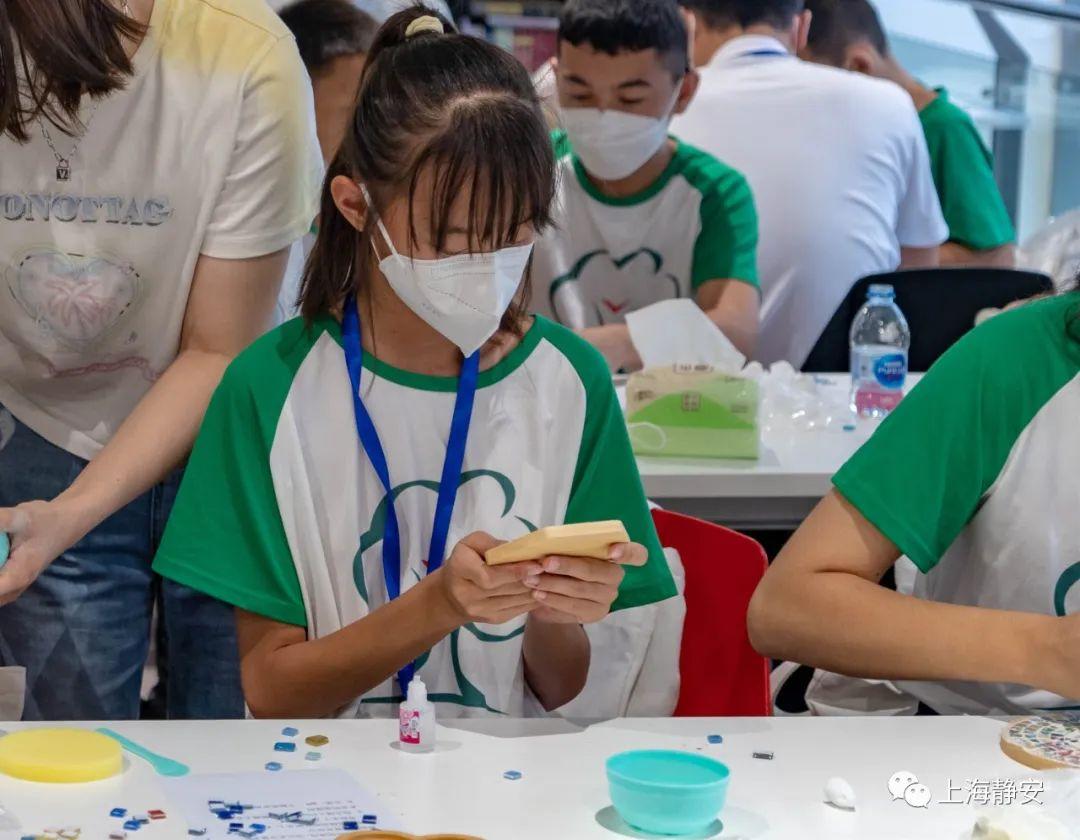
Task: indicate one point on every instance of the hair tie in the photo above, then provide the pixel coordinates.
(427, 23)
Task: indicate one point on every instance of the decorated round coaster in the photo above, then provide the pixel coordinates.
(1045, 742)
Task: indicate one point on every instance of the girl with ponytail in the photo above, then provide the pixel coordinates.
(357, 464)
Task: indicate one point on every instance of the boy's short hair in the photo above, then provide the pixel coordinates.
(614, 26)
(328, 29)
(837, 24)
(720, 14)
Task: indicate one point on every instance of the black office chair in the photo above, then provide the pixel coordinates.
(940, 305)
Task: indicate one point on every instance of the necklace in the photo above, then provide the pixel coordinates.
(63, 162)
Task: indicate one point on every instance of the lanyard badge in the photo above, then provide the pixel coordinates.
(451, 472)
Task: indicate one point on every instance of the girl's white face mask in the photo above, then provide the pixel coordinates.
(613, 144)
(464, 297)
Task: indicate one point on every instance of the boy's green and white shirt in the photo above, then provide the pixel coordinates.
(606, 257)
(976, 478)
(281, 514)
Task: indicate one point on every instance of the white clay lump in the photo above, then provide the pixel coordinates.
(840, 794)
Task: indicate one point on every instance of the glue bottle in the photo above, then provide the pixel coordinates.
(416, 718)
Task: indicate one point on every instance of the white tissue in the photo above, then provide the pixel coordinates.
(678, 332)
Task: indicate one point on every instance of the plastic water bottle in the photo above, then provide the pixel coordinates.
(880, 340)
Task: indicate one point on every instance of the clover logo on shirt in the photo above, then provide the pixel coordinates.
(602, 289)
(1065, 583)
(468, 694)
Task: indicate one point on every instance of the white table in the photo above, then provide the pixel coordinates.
(563, 792)
(774, 493)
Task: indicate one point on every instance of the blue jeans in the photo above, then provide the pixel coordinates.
(83, 629)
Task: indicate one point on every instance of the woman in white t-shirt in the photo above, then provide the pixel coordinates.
(417, 415)
(154, 169)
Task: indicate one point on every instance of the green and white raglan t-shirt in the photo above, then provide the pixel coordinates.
(281, 514)
(976, 478)
(604, 257)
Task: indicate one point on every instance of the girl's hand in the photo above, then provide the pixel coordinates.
(580, 590)
(481, 593)
(1060, 671)
(39, 533)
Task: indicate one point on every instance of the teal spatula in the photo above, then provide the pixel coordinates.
(162, 766)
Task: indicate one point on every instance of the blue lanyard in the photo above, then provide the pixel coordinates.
(452, 466)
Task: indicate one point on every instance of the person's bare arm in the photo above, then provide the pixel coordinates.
(731, 304)
(286, 675)
(734, 306)
(230, 305)
(920, 257)
(955, 255)
(571, 592)
(556, 661)
(821, 604)
(613, 342)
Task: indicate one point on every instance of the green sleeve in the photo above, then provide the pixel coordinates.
(607, 484)
(726, 248)
(924, 474)
(561, 143)
(225, 536)
(963, 171)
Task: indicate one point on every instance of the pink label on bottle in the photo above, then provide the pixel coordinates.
(409, 725)
(877, 402)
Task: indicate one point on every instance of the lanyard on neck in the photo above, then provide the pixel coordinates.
(762, 53)
(451, 472)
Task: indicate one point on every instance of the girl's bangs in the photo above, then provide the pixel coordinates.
(510, 187)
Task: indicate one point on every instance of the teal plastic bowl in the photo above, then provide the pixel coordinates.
(667, 792)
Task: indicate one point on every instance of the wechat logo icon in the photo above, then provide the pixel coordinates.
(906, 786)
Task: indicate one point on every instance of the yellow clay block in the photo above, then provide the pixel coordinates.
(588, 539)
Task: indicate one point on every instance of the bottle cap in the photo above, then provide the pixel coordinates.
(417, 691)
(881, 290)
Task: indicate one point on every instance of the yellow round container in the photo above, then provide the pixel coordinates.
(59, 755)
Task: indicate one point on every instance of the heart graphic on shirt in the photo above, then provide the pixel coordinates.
(615, 308)
(78, 299)
(601, 289)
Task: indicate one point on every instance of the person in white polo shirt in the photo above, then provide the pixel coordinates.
(837, 162)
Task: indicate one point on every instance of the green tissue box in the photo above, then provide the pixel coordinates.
(693, 411)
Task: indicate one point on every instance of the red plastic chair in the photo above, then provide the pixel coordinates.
(722, 675)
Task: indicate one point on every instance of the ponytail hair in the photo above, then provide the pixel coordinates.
(52, 52)
(433, 101)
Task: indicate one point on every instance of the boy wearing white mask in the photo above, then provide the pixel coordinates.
(639, 216)
(356, 465)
